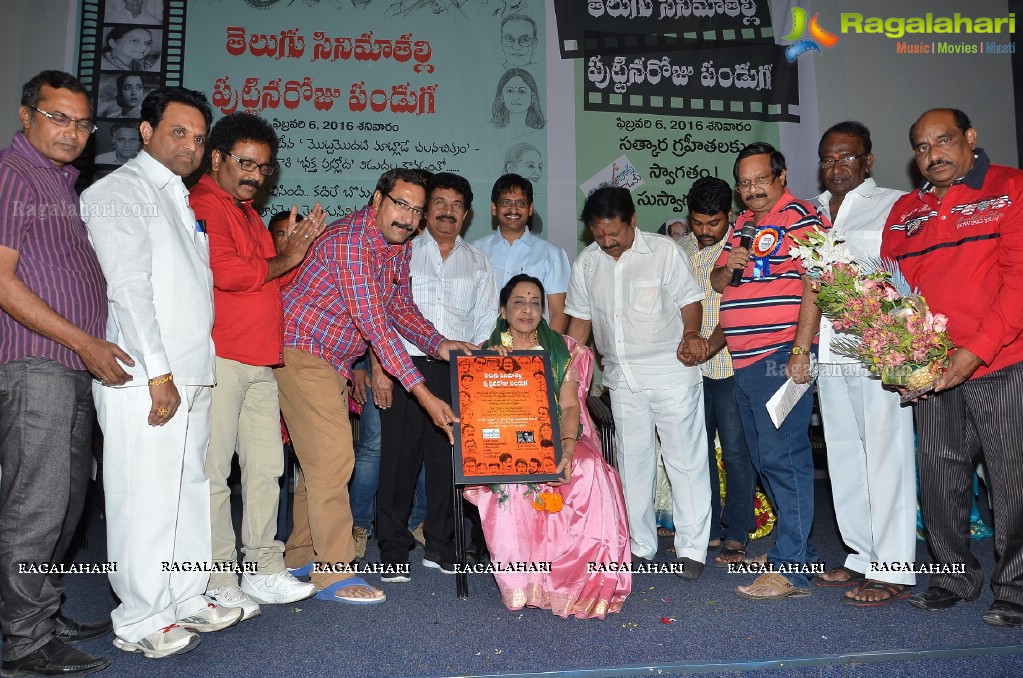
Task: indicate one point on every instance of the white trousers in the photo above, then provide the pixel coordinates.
(872, 466)
(676, 416)
(157, 506)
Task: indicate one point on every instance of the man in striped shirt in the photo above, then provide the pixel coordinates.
(770, 321)
(52, 311)
(353, 291)
(453, 286)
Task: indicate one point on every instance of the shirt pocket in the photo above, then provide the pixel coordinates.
(646, 297)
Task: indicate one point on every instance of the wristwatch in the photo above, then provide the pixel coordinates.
(799, 350)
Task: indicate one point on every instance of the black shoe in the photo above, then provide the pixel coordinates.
(55, 658)
(935, 598)
(71, 631)
(691, 569)
(477, 553)
(1004, 613)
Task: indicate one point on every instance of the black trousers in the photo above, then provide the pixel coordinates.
(983, 415)
(46, 423)
(408, 439)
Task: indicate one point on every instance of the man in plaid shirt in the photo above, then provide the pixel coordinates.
(353, 291)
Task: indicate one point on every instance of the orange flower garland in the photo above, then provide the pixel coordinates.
(551, 502)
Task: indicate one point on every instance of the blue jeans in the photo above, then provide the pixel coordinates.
(362, 490)
(733, 521)
(782, 457)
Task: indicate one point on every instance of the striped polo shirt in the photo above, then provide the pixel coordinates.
(760, 315)
(39, 219)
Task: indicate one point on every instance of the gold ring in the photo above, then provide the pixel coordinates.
(162, 411)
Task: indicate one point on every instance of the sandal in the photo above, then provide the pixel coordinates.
(855, 578)
(730, 556)
(771, 586)
(894, 591)
(663, 532)
(330, 592)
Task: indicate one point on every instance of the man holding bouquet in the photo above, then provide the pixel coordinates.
(959, 239)
(870, 454)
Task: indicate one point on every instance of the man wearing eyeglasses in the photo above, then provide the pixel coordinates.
(52, 311)
(770, 322)
(869, 435)
(249, 270)
(352, 292)
(514, 249)
(518, 40)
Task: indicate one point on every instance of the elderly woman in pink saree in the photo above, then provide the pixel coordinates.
(591, 526)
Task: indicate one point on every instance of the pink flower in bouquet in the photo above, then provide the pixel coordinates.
(891, 294)
(937, 322)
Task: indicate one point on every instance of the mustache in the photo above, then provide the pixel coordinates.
(936, 163)
(756, 196)
(249, 182)
(404, 227)
(446, 217)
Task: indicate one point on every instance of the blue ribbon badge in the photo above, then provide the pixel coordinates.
(766, 243)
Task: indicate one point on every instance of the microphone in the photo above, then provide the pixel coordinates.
(745, 240)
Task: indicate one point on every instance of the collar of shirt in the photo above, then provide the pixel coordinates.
(639, 244)
(748, 215)
(21, 145)
(425, 238)
(526, 239)
(708, 255)
(864, 190)
(974, 178)
(157, 172)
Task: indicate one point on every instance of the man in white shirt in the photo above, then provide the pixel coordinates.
(869, 436)
(157, 426)
(453, 286)
(514, 249)
(638, 295)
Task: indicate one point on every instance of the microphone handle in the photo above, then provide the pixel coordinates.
(737, 273)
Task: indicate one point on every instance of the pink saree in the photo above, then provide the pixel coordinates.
(590, 532)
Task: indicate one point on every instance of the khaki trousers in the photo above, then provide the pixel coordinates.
(247, 416)
(314, 401)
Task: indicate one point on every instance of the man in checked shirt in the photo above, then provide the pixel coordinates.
(353, 290)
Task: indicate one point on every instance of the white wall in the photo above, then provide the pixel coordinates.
(35, 35)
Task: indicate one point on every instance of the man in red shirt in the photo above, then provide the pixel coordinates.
(959, 239)
(249, 269)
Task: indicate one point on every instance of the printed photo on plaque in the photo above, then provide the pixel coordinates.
(508, 418)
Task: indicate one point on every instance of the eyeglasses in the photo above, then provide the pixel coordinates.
(846, 161)
(522, 40)
(520, 204)
(764, 180)
(61, 120)
(249, 165)
(404, 208)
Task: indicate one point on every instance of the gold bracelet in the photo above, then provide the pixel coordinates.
(161, 380)
(570, 438)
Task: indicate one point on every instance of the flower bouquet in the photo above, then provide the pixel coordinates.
(892, 331)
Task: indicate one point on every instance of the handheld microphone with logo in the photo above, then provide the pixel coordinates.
(745, 240)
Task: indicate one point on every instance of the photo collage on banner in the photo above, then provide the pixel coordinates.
(354, 88)
(676, 89)
(123, 56)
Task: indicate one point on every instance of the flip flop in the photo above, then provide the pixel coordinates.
(894, 591)
(773, 586)
(303, 571)
(855, 579)
(328, 593)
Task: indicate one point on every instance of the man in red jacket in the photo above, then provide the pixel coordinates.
(959, 239)
(249, 269)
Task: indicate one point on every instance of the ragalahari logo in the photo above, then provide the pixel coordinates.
(818, 36)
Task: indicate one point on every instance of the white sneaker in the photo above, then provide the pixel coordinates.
(232, 596)
(212, 618)
(277, 588)
(163, 643)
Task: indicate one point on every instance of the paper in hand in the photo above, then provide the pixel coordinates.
(786, 397)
